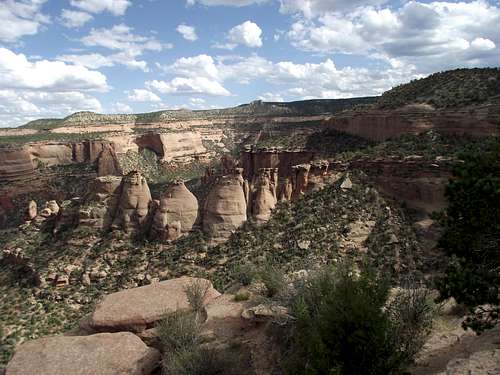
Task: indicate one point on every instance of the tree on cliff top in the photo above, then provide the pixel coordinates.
(472, 237)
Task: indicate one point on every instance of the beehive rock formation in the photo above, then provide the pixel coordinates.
(225, 208)
(177, 212)
(15, 165)
(263, 196)
(133, 205)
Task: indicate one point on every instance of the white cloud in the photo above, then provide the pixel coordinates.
(17, 72)
(312, 8)
(141, 95)
(271, 97)
(232, 3)
(187, 32)
(120, 37)
(20, 106)
(189, 86)
(248, 34)
(74, 18)
(119, 107)
(116, 7)
(96, 60)
(20, 18)
(432, 36)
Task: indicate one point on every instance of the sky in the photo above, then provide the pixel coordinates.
(130, 56)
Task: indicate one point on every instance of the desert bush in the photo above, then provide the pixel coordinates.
(274, 280)
(345, 325)
(196, 294)
(184, 353)
(244, 273)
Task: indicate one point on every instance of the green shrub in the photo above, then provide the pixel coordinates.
(245, 273)
(344, 325)
(196, 295)
(242, 296)
(273, 279)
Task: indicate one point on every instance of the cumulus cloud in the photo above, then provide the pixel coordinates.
(296, 81)
(247, 34)
(432, 36)
(312, 8)
(187, 32)
(271, 97)
(116, 7)
(20, 106)
(96, 60)
(20, 18)
(74, 18)
(141, 95)
(17, 72)
(189, 86)
(121, 37)
(120, 107)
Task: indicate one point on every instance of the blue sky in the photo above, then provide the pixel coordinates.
(122, 56)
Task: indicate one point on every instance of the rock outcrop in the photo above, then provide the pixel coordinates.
(108, 163)
(139, 308)
(133, 204)
(176, 214)
(263, 194)
(300, 180)
(169, 146)
(99, 208)
(225, 208)
(15, 165)
(103, 354)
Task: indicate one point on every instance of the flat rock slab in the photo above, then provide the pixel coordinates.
(139, 308)
(104, 354)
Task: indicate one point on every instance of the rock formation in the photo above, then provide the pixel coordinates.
(225, 208)
(286, 190)
(108, 163)
(99, 207)
(15, 165)
(317, 174)
(176, 214)
(32, 211)
(169, 146)
(133, 205)
(300, 179)
(263, 196)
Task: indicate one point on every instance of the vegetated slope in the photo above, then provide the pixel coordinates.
(256, 108)
(452, 88)
(320, 228)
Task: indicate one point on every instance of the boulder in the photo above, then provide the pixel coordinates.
(177, 213)
(133, 204)
(104, 354)
(51, 209)
(263, 194)
(139, 308)
(225, 208)
(108, 163)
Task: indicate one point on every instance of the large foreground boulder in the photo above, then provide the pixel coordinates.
(139, 308)
(120, 353)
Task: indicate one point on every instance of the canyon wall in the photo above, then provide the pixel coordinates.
(380, 125)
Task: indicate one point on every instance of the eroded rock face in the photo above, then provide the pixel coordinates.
(139, 308)
(108, 163)
(264, 195)
(177, 212)
(300, 179)
(317, 174)
(169, 146)
(133, 205)
(15, 165)
(100, 205)
(225, 208)
(103, 354)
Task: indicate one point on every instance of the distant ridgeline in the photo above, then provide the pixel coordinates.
(256, 108)
(453, 88)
